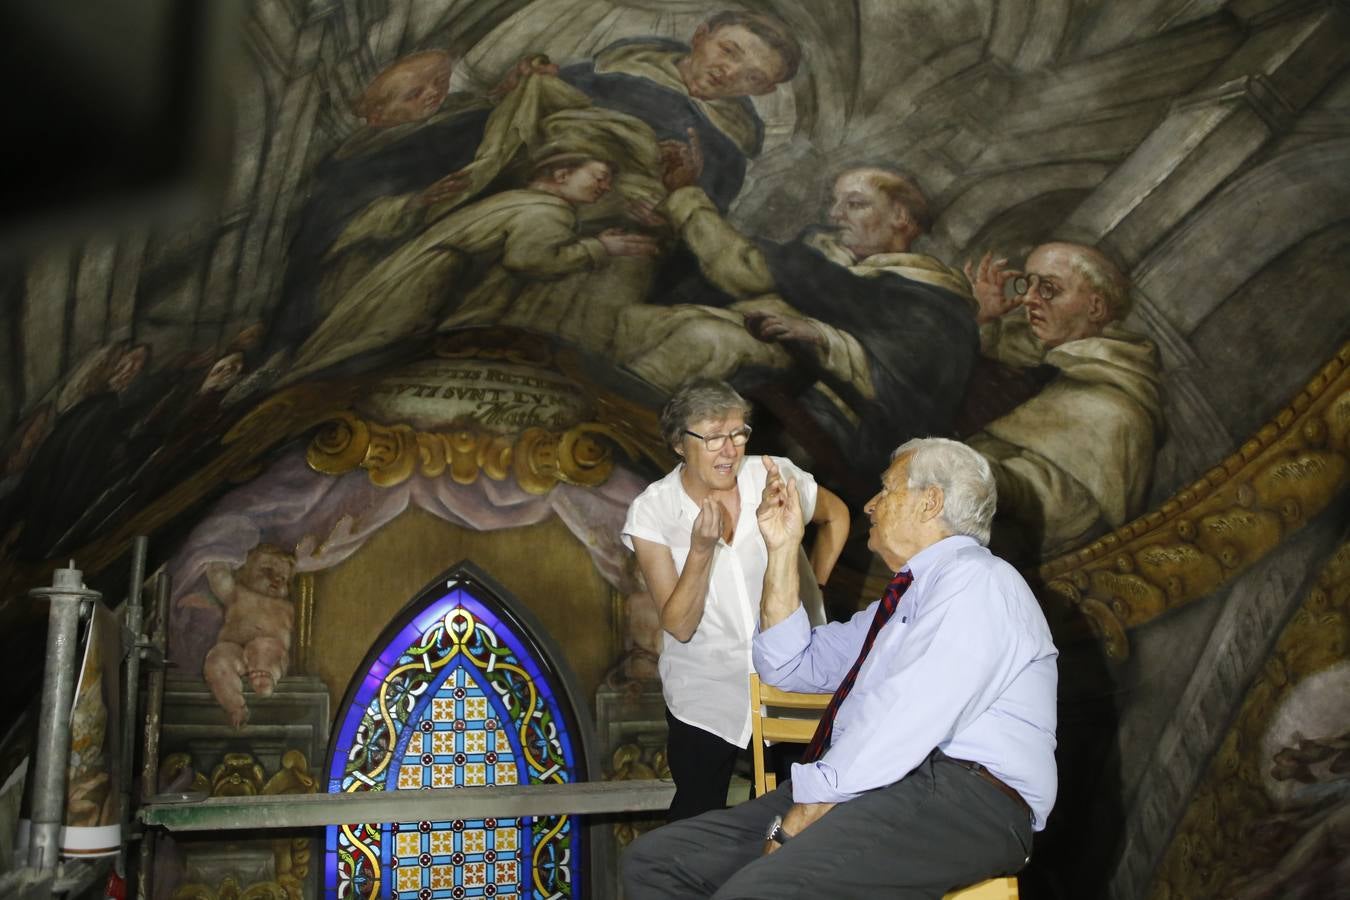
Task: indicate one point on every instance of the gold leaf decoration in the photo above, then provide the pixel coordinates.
(1214, 529)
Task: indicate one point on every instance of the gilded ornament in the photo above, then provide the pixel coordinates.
(1132, 598)
(463, 447)
(238, 775)
(1315, 433)
(1106, 627)
(431, 454)
(494, 456)
(535, 462)
(340, 445)
(1231, 517)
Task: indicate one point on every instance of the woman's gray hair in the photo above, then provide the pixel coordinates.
(699, 398)
(969, 495)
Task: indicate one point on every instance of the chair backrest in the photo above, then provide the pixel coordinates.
(797, 728)
(792, 729)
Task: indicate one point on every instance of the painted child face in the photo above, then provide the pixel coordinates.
(586, 183)
(270, 573)
(408, 91)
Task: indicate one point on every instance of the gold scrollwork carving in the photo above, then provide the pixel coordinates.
(538, 458)
(340, 445)
(241, 775)
(1217, 527)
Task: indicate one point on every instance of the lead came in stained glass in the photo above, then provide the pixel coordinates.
(456, 698)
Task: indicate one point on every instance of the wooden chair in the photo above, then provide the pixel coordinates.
(796, 727)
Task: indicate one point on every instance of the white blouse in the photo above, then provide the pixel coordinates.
(706, 681)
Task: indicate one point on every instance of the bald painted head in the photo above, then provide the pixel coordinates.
(1073, 292)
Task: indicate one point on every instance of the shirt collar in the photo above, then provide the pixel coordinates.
(934, 553)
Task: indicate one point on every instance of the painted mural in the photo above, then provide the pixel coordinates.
(468, 247)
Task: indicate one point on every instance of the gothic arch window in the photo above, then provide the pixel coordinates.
(458, 691)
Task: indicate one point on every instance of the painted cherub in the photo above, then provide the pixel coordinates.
(255, 638)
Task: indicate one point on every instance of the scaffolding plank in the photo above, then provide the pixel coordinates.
(438, 804)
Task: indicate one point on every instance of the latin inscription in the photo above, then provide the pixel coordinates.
(432, 394)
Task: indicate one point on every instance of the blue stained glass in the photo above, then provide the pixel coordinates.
(455, 697)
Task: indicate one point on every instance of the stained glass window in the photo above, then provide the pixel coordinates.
(456, 694)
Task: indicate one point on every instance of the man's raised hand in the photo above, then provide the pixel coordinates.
(780, 510)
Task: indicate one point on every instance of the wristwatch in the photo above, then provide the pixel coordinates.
(776, 832)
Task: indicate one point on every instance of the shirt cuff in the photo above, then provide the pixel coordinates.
(681, 205)
(781, 644)
(814, 783)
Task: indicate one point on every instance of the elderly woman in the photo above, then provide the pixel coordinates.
(702, 556)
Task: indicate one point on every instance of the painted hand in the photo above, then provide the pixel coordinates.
(536, 64)
(988, 280)
(618, 242)
(775, 329)
(681, 163)
(446, 188)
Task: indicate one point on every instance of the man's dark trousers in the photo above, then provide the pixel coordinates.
(938, 828)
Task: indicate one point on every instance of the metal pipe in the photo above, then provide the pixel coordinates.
(154, 692)
(65, 598)
(154, 710)
(131, 663)
(293, 811)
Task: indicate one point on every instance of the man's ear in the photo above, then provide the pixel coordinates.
(700, 34)
(931, 507)
(1098, 311)
(903, 226)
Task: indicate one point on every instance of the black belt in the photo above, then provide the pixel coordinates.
(993, 779)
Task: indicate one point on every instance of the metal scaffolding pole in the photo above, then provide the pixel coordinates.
(66, 598)
(154, 710)
(283, 811)
(131, 662)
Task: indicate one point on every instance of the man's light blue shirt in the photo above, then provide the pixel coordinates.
(966, 665)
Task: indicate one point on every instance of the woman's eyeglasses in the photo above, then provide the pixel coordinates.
(714, 442)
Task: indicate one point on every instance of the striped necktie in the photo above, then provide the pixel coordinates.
(890, 601)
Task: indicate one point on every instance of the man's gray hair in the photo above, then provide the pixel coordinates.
(969, 495)
(699, 398)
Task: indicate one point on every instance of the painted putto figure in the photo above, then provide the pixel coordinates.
(255, 639)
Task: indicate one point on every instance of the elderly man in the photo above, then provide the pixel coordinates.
(934, 761)
(886, 336)
(1075, 460)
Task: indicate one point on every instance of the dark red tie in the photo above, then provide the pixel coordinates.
(890, 601)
